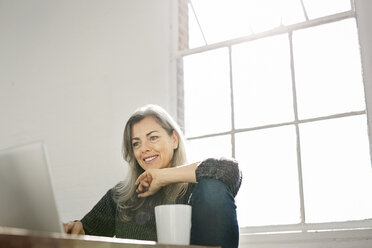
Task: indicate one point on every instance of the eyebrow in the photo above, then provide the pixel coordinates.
(148, 134)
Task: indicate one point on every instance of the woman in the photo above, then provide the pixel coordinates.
(154, 148)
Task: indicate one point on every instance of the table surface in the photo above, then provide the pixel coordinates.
(21, 238)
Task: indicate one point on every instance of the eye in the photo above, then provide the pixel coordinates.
(135, 144)
(154, 138)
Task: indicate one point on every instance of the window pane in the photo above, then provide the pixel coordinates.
(207, 92)
(337, 170)
(199, 149)
(319, 8)
(227, 19)
(328, 70)
(269, 192)
(262, 82)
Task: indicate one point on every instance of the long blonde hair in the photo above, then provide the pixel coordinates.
(124, 192)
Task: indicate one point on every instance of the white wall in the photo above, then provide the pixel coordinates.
(71, 72)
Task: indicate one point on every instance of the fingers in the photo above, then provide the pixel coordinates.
(68, 226)
(145, 194)
(144, 177)
(141, 188)
(147, 183)
(78, 228)
(140, 178)
(74, 227)
(65, 227)
(143, 182)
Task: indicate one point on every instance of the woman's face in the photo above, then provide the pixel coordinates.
(152, 145)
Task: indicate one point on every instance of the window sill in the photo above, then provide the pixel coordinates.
(361, 238)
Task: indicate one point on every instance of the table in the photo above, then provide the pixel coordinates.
(21, 238)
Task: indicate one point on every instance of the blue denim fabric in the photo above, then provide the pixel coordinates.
(214, 221)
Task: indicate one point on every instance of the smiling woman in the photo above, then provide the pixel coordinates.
(154, 148)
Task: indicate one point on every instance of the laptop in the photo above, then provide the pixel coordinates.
(26, 190)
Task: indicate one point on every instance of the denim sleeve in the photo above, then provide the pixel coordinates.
(223, 169)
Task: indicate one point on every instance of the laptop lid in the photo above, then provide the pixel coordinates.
(26, 191)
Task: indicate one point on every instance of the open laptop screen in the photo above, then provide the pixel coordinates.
(26, 191)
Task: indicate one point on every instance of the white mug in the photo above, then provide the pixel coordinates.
(173, 224)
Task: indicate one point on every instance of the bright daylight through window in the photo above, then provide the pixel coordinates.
(278, 85)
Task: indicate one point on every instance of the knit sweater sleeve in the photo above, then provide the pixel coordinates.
(100, 221)
(223, 169)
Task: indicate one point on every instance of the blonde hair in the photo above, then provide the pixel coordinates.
(124, 192)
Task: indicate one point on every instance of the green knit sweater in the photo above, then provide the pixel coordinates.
(103, 219)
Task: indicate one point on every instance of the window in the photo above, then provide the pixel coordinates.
(278, 85)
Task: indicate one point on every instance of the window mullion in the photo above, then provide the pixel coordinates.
(304, 10)
(298, 145)
(197, 20)
(275, 31)
(232, 105)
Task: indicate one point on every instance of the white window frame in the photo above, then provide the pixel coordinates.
(333, 234)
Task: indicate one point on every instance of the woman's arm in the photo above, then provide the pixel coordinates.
(152, 180)
(100, 221)
(223, 169)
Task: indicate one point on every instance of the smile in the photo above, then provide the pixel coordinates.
(150, 159)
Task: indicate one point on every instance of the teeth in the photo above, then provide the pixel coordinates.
(149, 159)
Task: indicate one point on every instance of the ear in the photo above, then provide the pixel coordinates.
(175, 139)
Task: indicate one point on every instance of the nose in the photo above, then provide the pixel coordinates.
(145, 147)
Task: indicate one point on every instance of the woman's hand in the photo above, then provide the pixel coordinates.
(73, 227)
(150, 182)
